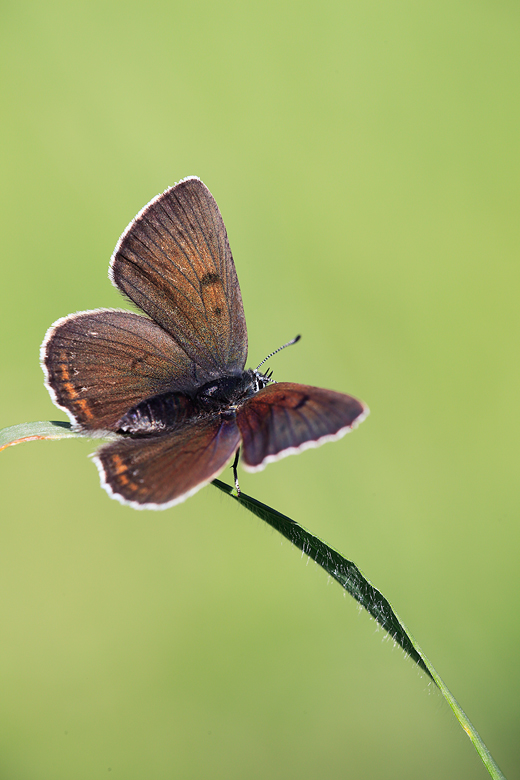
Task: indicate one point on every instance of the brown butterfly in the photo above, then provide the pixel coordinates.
(173, 384)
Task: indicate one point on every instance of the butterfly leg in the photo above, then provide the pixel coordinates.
(235, 475)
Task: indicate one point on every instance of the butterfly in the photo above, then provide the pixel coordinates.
(172, 383)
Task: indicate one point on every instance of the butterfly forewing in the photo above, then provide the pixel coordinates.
(159, 471)
(285, 418)
(99, 364)
(174, 263)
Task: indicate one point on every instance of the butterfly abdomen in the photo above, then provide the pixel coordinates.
(161, 413)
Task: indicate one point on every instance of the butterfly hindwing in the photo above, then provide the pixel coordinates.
(159, 471)
(285, 418)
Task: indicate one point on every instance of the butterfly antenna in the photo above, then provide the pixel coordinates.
(289, 344)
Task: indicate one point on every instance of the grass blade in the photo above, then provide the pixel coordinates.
(352, 580)
(18, 434)
(339, 568)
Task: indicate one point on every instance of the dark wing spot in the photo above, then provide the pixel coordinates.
(303, 400)
(209, 279)
(217, 312)
(136, 362)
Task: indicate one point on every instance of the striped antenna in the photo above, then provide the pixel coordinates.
(289, 343)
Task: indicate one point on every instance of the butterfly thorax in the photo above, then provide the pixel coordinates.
(167, 411)
(228, 392)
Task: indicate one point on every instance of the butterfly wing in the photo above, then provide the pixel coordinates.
(159, 471)
(286, 418)
(174, 262)
(99, 364)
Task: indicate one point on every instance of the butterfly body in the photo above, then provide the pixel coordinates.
(172, 383)
(168, 411)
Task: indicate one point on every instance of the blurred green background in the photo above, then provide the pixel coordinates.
(365, 159)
